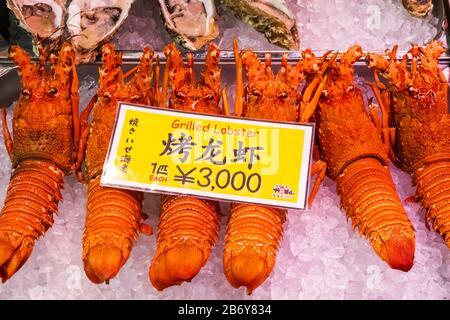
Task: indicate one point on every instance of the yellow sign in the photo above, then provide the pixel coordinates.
(234, 159)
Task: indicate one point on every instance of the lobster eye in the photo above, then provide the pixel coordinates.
(256, 93)
(412, 90)
(180, 95)
(209, 97)
(52, 91)
(283, 95)
(26, 92)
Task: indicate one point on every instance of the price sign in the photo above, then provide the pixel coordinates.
(225, 158)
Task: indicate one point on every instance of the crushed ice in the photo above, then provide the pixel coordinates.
(320, 256)
(322, 25)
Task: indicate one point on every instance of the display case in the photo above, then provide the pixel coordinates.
(320, 256)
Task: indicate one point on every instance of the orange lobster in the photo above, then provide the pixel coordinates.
(188, 226)
(357, 159)
(45, 129)
(417, 106)
(254, 232)
(113, 215)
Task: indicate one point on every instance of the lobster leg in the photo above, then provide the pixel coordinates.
(387, 133)
(319, 168)
(226, 106)
(308, 105)
(373, 112)
(75, 99)
(130, 72)
(7, 135)
(84, 137)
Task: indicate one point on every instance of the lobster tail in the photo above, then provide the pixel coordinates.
(369, 197)
(433, 189)
(251, 243)
(187, 230)
(112, 224)
(32, 198)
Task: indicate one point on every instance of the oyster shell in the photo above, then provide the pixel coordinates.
(418, 8)
(43, 19)
(192, 23)
(93, 23)
(270, 17)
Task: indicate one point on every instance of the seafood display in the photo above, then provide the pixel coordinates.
(114, 216)
(416, 104)
(42, 19)
(92, 23)
(45, 131)
(193, 24)
(375, 149)
(418, 8)
(188, 226)
(357, 158)
(270, 17)
(254, 232)
(89, 23)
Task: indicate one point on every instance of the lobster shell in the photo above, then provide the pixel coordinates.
(45, 131)
(114, 215)
(418, 102)
(188, 226)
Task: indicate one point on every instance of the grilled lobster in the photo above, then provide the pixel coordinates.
(45, 131)
(114, 216)
(417, 105)
(253, 231)
(351, 146)
(188, 226)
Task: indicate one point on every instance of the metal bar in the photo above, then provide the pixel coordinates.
(226, 57)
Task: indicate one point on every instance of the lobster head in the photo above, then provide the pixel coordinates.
(112, 89)
(43, 124)
(419, 91)
(341, 73)
(270, 96)
(37, 85)
(112, 85)
(187, 94)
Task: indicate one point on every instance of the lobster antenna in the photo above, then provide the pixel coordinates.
(190, 66)
(238, 106)
(165, 84)
(156, 83)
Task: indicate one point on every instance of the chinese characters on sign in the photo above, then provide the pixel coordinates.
(212, 150)
(160, 150)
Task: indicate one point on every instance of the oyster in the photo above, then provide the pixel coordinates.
(192, 23)
(418, 8)
(93, 23)
(43, 19)
(270, 17)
